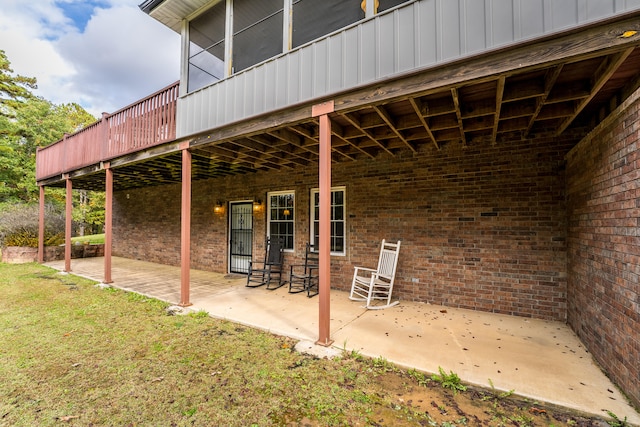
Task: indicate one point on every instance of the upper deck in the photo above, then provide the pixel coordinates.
(410, 38)
(141, 125)
(426, 72)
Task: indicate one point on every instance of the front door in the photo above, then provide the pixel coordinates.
(241, 235)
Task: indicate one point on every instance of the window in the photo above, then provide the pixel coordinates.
(257, 27)
(388, 4)
(338, 223)
(313, 18)
(258, 30)
(281, 217)
(206, 48)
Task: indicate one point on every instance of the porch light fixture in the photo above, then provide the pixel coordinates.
(257, 204)
(219, 207)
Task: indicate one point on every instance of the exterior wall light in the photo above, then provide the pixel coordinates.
(219, 207)
(257, 204)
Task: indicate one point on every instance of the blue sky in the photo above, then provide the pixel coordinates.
(79, 12)
(101, 54)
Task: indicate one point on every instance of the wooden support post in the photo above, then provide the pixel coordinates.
(324, 263)
(108, 223)
(67, 225)
(41, 226)
(185, 229)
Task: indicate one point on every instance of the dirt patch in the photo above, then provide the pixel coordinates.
(431, 404)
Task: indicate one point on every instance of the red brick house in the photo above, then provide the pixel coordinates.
(497, 140)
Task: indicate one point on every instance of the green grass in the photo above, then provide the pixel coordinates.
(79, 355)
(93, 239)
(74, 352)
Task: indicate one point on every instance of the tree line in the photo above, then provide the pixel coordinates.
(28, 122)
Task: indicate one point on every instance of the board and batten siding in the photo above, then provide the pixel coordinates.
(416, 35)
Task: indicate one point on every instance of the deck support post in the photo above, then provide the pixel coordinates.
(324, 263)
(108, 222)
(68, 216)
(185, 227)
(41, 226)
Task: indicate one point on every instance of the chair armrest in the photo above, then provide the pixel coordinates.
(295, 267)
(364, 269)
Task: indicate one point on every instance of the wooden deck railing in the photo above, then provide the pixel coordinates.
(148, 122)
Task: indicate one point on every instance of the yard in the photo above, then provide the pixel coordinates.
(76, 354)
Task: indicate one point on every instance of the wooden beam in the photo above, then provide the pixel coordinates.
(310, 136)
(590, 42)
(324, 264)
(496, 116)
(456, 102)
(302, 151)
(419, 107)
(185, 230)
(384, 114)
(261, 155)
(41, 227)
(602, 75)
(356, 123)
(285, 154)
(68, 216)
(108, 223)
(255, 126)
(338, 132)
(143, 155)
(235, 156)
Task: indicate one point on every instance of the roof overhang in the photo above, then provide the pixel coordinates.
(171, 13)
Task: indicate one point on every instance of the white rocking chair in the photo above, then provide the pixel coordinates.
(377, 284)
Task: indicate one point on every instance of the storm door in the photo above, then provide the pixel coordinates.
(241, 236)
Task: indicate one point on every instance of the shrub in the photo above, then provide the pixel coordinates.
(19, 225)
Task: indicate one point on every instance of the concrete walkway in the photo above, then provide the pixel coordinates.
(538, 359)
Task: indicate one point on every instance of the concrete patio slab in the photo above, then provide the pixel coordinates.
(538, 359)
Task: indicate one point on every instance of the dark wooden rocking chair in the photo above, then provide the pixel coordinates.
(304, 277)
(264, 273)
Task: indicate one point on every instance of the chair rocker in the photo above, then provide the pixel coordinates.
(304, 277)
(371, 284)
(264, 273)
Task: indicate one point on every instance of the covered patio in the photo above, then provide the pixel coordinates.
(542, 360)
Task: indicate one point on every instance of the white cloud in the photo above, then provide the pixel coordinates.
(121, 56)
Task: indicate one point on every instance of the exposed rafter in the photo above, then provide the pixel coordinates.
(496, 116)
(609, 65)
(390, 122)
(356, 124)
(420, 108)
(456, 103)
(549, 81)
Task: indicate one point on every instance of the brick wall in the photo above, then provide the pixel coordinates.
(22, 254)
(603, 197)
(481, 227)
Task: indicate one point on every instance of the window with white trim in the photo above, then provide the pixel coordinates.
(281, 217)
(338, 220)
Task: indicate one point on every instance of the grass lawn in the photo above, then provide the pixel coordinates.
(93, 239)
(75, 354)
